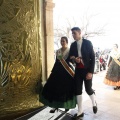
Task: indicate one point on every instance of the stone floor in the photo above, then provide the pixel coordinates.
(108, 101)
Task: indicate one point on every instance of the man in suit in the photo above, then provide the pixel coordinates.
(82, 54)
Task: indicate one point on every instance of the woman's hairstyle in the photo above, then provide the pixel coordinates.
(66, 39)
(116, 45)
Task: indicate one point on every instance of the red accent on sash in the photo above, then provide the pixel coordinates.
(80, 65)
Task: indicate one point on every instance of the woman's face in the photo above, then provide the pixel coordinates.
(114, 47)
(63, 42)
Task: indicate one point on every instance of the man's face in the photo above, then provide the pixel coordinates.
(76, 34)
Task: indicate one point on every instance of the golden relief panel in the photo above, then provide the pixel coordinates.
(20, 55)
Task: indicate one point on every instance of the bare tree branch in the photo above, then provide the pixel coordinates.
(86, 21)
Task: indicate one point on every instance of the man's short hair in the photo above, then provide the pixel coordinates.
(76, 28)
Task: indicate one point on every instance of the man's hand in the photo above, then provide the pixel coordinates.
(77, 59)
(89, 76)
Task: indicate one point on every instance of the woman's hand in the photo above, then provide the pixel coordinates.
(76, 59)
(72, 57)
(89, 76)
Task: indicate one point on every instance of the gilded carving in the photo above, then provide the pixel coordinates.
(20, 55)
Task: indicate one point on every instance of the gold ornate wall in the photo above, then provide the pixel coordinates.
(20, 55)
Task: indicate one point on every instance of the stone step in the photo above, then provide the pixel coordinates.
(43, 114)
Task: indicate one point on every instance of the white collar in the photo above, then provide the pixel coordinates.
(79, 41)
(63, 54)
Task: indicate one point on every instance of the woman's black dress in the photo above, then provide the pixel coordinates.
(58, 91)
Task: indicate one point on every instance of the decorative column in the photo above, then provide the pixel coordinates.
(49, 40)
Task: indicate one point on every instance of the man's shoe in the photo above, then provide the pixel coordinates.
(66, 110)
(78, 117)
(95, 109)
(116, 88)
(53, 110)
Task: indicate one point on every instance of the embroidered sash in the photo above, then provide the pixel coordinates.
(115, 55)
(67, 68)
(117, 61)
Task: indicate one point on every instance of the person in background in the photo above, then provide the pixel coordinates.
(102, 63)
(113, 74)
(97, 64)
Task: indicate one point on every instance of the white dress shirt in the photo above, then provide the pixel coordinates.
(79, 45)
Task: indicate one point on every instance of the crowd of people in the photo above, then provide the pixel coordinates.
(101, 59)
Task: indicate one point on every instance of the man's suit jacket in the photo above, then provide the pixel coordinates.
(87, 52)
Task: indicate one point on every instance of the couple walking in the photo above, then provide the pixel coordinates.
(64, 87)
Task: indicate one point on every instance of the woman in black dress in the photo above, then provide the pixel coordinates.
(58, 91)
